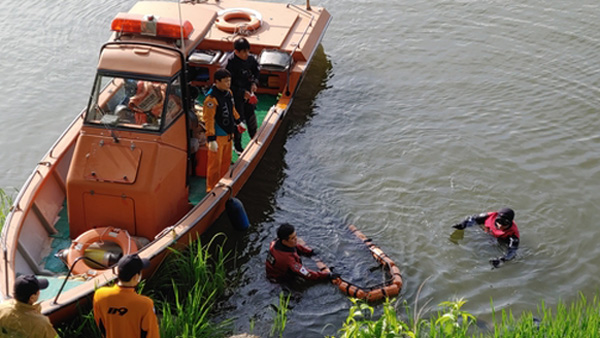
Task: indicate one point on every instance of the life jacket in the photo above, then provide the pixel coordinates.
(490, 227)
(224, 111)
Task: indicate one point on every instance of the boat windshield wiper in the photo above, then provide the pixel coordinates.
(108, 120)
(114, 136)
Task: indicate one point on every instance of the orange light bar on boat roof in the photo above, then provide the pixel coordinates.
(151, 25)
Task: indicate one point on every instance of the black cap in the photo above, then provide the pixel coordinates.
(506, 213)
(131, 265)
(27, 285)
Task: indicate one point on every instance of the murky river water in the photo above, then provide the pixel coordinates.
(417, 114)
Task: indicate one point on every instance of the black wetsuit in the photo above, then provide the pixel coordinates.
(243, 74)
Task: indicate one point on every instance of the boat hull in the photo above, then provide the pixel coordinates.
(32, 221)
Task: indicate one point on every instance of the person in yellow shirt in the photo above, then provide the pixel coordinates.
(121, 312)
(21, 316)
(221, 119)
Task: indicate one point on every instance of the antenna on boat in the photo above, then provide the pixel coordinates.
(181, 27)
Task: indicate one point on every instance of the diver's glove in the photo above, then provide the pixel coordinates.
(334, 275)
(495, 262)
(466, 223)
(241, 127)
(460, 225)
(253, 99)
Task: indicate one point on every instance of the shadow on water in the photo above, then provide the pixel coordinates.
(259, 196)
(259, 192)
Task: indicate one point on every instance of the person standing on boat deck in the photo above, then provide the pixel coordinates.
(499, 224)
(244, 71)
(21, 317)
(283, 261)
(221, 120)
(121, 312)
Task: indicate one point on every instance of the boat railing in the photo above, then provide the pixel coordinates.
(17, 202)
(51, 151)
(8, 221)
(256, 139)
(55, 301)
(310, 23)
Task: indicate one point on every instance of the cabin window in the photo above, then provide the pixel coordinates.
(134, 103)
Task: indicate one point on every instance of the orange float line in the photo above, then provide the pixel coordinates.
(391, 288)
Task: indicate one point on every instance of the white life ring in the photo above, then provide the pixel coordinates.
(252, 20)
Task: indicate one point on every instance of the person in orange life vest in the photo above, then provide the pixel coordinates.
(121, 312)
(499, 224)
(148, 101)
(244, 71)
(283, 261)
(220, 119)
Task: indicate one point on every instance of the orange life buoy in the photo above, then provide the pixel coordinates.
(390, 289)
(104, 234)
(251, 20)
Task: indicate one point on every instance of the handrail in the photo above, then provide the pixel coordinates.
(54, 302)
(5, 253)
(289, 70)
(17, 199)
(254, 140)
(51, 151)
(16, 206)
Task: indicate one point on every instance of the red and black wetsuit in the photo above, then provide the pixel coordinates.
(284, 263)
(509, 236)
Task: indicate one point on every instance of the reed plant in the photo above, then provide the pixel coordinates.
(196, 278)
(188, 315)
(281, 311)
(197, 263)
(361, 324)
(185, 290)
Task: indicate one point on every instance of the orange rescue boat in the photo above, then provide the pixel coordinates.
(128, 174)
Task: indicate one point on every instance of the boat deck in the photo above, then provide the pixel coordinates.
(62, 240)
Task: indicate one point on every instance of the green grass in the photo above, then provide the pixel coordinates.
(579, 319)
(185, 290)
(188, 286)
(281, 311)
(6, 202)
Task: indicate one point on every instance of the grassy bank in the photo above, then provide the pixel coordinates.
(578, 319)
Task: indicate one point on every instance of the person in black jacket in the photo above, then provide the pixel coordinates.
(244, 82)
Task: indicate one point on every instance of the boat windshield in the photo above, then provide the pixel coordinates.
(134, 103)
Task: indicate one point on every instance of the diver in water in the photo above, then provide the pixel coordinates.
(283, 261)
(499, 224)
